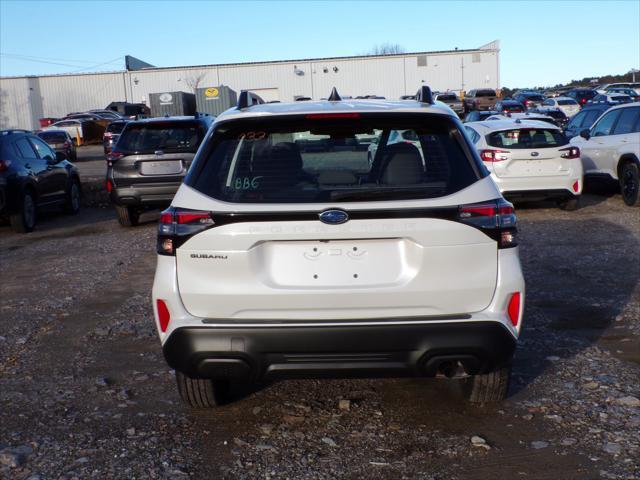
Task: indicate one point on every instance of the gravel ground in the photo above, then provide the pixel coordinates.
(85, 392)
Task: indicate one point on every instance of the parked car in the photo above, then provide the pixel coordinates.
(509, 106)
(526, 116)
(306, 265)
(81, 131)
(529, 99)
(581, 95)
(111, 134)
(34, 176)
(610, 98)
(452, 101)
(60, 141)
(477, 115)
(480, 99)
(107, 114)
(584, 119)
(559, 117)
(147, 165)
(611, 149)
(635, 96)
(608, 86)
(529, 160)
(568, 105)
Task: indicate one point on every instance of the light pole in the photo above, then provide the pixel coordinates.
(633, 72)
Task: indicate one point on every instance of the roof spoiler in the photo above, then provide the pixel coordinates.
(424, 95)
(248, 99)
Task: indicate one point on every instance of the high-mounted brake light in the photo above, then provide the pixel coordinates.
(176, 226)
(513, 309)
(164, 317)
(496, 218)
(316, 116)
(491, 156)
(570, 152)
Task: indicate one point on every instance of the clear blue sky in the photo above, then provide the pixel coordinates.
(543, 43)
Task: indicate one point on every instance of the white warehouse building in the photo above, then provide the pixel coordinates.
(24, 100)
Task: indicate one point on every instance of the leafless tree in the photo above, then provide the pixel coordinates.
(386, 49)
(193, 81)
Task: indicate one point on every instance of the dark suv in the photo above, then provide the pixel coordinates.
(33, 175)
(151, 158)
(111, 134)
(581, 95)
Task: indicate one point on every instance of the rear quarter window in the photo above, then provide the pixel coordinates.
(297, 159)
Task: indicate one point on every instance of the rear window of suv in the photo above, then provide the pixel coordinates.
(166, 136)
(324, 158)
(527, 138)
(116, 127)
(53, 137)
(449, 97)
(485, 93)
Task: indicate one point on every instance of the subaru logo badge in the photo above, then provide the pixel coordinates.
(334, 217)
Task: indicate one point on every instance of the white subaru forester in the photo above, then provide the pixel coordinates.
(287, 254)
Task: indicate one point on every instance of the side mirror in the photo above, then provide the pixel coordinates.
(60, 156)
(585, 134)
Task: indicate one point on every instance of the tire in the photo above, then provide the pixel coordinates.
(488, 387)
(569, 204)
(72, 202)
(202, 392)
(25, 220)
(630, 184)
(127, 216)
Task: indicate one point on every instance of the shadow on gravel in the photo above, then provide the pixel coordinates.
(576, 286)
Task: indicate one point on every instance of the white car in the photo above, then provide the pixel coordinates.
(611, 148)
(529, 160)
(278, 263)
(524, 116)
(568, 105)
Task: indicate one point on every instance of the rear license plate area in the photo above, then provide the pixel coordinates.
(161, 167)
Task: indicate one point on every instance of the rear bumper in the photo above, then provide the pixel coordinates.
(266, 353)
(543, 187)
(539, 194)
(145, 194)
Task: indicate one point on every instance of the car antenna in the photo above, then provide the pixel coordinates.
(335, 96)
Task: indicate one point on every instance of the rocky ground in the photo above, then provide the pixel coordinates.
(85, 392)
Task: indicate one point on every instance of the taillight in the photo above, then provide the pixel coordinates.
(177, 225)
(113, 156)
(109, 185)
(4, 165)
(493, 155)
(496, 218)
(107, 135)
(164, 317)
(570, 152)
(513, 309)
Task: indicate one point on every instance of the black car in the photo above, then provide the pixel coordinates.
(60, 141)
(147, 165)
(585, 118)
(529, 99)
(33, 175)
(555, 113)
(581, 95)
(479, 115)
(111, 134)
(509, 106)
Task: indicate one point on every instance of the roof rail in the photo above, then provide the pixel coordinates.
(335, 96)
(10, 131)
(248, 99)
(424, 95)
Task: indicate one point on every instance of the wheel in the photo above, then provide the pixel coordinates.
(202, 392)
(72, 202)
(25, 219)
(488, 387)
(127, 216)
(569, 204)
(630, 184)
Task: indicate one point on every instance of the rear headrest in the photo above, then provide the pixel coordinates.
(280, 165)
(403, 165)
